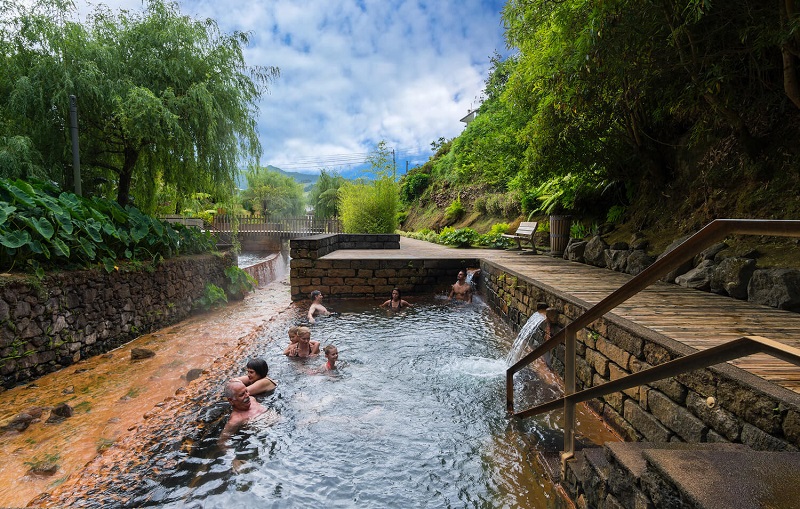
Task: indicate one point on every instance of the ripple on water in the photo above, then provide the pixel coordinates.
(414, 417)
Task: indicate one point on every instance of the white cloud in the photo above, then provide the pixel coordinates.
(354, 72)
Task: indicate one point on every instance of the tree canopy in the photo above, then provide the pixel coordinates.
(270, 193)
(161, 98)
(601, 102)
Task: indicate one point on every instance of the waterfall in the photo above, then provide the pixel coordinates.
(529, 336)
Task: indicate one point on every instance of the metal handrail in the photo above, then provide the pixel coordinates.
(712, 233)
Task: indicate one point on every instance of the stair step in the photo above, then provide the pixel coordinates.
(629, 455)
(722, 478)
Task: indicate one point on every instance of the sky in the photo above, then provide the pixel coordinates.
(355, 72)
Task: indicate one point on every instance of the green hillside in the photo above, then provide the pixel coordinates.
(630, 117)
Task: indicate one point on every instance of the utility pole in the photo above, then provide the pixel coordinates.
(76, 157)
(394, 167)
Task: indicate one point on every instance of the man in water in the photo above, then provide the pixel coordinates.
(244, 406)
(316, 306)
(461, 290)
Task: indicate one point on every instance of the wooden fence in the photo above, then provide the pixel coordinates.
(283, 227)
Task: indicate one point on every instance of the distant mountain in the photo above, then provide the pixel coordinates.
(309, 179)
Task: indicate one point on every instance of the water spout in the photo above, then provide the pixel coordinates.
(529, 336)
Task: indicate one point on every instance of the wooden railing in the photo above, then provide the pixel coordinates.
(286, 227)
(713, 232)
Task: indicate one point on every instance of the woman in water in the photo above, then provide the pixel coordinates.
(256, 380)
(396, 302)
(293, 341)
(303, 346)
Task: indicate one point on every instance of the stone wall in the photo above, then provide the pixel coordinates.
(364, 278)
(46, 325)
(745, 408)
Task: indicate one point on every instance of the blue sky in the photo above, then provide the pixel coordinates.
(354, 72)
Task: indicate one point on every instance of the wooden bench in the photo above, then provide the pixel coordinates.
(524, 233)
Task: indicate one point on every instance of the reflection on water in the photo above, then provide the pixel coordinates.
(414, 417)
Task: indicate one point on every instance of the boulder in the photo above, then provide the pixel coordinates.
(638, 242)
(699, 277)
(20, 422)
(594, 254)
(193, 374)
(616, 259)
(732, 276)
(619, 246)
(60, 412)
(575, 251)
(638, 261)
(683, 268)
(710, 253)
(779, 288)
(141, 353)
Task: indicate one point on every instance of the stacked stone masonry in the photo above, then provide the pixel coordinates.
(49, 324)
(373, 278)
(746, 409)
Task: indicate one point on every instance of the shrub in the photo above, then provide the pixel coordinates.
(480, 204)
(413, 185)
(239, 282)
(454, 211)
(462, 237)
(499, 228)
(213, 297)
(495, 240)
(369, 207)
(615, 214)
(577, 230)
(41, 227)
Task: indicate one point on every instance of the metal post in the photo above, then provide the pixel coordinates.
(76, 158)
(569, 406)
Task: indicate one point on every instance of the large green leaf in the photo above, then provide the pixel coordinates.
(87, 248)
(15, 239)
(5, 211)
(39, 248)
(64, 220)
(60, 247)
(23, 192)
(93, 229)
(43, 227)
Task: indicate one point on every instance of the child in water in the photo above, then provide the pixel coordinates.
(293, 341)
(332, 355)
(302, 348)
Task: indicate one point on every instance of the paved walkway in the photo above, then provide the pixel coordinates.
(694, 318)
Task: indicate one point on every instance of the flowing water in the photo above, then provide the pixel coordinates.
(413, 417)
(110, 393)
(529, 335)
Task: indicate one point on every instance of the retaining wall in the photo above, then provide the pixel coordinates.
(746, 408)
(46, 325)
(368, 278)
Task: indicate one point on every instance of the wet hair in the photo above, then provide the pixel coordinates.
(315, 293)
(293, 330)
(541, 306)
(302, 331)
(259, 366)
(328, 349)
(399, 295)
(227, 393)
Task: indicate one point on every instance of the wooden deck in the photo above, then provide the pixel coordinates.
(697, 319)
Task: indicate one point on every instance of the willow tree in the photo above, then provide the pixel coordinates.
(161, 97)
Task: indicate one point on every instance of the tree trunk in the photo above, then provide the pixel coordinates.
(126, 175)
